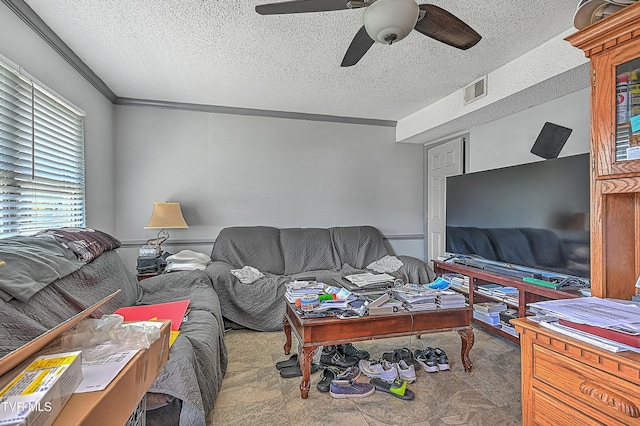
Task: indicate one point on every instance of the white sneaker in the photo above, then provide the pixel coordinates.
(406, 372)
(378, 369)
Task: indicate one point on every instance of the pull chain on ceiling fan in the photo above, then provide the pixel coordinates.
(386, 21)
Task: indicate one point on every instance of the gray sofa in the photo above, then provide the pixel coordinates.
(283, 255)
(33, 300)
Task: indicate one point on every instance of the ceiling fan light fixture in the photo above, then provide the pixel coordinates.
(388, 21)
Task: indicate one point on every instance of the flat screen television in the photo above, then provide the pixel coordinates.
(530, 216)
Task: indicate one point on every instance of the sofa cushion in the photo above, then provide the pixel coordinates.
(257, 246)
(358, 246)
(307, 249)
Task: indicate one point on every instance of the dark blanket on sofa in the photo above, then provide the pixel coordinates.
(283, 255)
(198, 357)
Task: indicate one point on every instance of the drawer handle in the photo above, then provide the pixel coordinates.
(612, 400)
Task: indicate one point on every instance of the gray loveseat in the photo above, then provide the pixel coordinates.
(33, 300)
(283, 255)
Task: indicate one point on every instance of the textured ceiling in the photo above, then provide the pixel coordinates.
(222, 53)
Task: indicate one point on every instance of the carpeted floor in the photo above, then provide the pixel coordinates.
(253, 393)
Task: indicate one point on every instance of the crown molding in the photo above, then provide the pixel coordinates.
(24, 12)
(253, 112)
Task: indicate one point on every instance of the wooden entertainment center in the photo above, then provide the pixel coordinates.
(566, 381)
(528, 293)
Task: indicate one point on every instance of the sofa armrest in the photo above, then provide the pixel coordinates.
(415, 271)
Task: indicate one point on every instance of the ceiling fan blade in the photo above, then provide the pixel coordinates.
(446, 27)
(301, 6)
(358, 47)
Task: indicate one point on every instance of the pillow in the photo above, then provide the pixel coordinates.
(86, 243)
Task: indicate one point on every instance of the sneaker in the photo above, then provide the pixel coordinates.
(351, 389)
(381, 369)
(331, 356)
(443, 361)
(351, 373)
(350, 350)
(427, 360)
(406, 372)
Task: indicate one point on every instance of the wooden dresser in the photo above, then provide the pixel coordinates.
(568, 382)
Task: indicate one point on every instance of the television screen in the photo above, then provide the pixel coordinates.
(533, 215)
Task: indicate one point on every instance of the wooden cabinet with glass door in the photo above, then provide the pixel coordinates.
(613, 46)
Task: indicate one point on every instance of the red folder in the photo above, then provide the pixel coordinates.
(607, 333)
(173, 311)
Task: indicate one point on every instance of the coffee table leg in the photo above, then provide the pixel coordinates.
(287, 334)
(468, 338)
(307, 358)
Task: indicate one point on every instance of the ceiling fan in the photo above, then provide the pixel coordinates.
(386, 21)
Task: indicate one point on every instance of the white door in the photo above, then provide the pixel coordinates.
(443, 160)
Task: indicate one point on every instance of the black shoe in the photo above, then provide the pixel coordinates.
(330, 356)
(350, 350)
(328, 375)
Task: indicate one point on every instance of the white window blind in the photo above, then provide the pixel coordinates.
(41, 158)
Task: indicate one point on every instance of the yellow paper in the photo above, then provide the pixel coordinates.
(173, 336)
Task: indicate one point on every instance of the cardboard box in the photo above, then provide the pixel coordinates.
(109, 407)
(36, 396)
(114, 405)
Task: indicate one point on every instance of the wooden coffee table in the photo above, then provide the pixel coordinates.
(314, 332)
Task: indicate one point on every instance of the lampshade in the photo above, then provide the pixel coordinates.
(166, 215)
(388, 21)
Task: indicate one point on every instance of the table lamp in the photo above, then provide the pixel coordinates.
(165, 215)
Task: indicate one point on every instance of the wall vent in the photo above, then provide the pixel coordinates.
(475, 90)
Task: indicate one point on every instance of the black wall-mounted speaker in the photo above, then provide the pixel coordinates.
(550, 141)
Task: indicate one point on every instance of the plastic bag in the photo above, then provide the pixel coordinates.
(98, 338)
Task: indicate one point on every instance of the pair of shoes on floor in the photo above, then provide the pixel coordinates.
(291, 367)
(404, 362)
(349, 350)
(388, 371)
(296, 371)
(432, 360)
(398, 388)
(350, 389)
(331, 374)
(401, 354)
(334, 356)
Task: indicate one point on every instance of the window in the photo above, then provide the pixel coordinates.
(41, 158)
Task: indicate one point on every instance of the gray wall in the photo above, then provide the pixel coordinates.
(230, 170)
(508, 141)
(22, 46)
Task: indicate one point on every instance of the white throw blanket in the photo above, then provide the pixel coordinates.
(386, 264)
(187, 260)
(247, 275)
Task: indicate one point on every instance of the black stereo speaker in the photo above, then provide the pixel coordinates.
(550, 141)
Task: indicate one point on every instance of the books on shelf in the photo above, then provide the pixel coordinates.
(490, 307)
(508, 328)
(487, 289)
(458, 281)
(492, 319)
